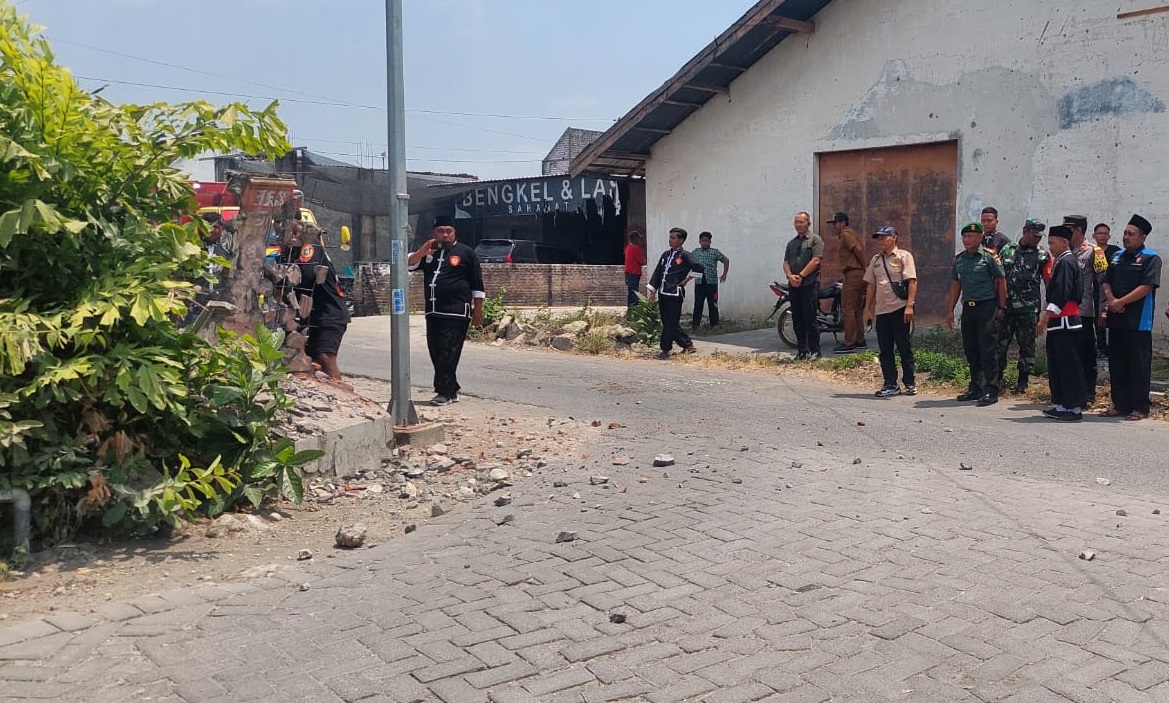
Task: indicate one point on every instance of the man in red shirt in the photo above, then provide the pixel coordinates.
(634, 263)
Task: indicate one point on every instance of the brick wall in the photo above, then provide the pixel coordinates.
(555, 285)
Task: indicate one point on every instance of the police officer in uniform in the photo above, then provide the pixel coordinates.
(978, 278)
(453, 288)
(675, 268)
(1023, 263)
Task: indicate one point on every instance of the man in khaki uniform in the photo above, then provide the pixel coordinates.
(851, 257)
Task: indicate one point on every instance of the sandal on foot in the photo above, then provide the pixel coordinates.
(1111, 412)
(1136, 415)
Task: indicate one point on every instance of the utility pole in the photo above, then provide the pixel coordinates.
(401, 407)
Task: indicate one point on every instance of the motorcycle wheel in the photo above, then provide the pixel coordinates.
(787, 330)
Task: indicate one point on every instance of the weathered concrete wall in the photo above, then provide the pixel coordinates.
(1057, 106)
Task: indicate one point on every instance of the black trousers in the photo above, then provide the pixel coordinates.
(1088, 355)
(892, 330)
(705, 293)
(1065, 376)
(1101, 337)
(444, 340)
(1130, 361)
(670, 308)
(980, 343)
(804, 300)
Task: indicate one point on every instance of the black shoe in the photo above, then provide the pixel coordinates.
(690, 349)
(802, 356)
(1020, 388)
(987, 399)
(813, 356)
(969, 395)
(910, 389)
(843, 349)
(1052, 412)
(863, 346)
(664, 355)
(888, 392)
(1067, 416)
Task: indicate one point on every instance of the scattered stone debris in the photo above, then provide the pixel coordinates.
(351, 536)
(642, 479)
(614, 425)
(498, 475)
(1087, 555)
(963, 466)
(411, 527)
(860, 423)
(617, 618)
(797, 465)
(1104, 481)
(598, 480)
(1156, 511)
(437, 510)
(304, 555)
(506, 519)
(856, 460)
(560, 484)
(620, 461)
(663, 460)
(304, 587)
(503, 500)
(566, 537)
(736, 480)
(1122, 512)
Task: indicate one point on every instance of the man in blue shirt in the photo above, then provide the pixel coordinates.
(1130, 286)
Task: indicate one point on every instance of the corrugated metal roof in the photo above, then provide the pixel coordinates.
(625, 147)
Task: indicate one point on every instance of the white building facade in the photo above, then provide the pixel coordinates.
(918, 113)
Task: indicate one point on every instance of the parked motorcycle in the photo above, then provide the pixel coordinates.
(829, 320)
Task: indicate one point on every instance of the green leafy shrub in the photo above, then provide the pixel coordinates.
(942, 367)
(493, 307)
(645, 319)
(108, 413)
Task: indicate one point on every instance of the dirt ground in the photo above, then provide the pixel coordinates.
(480, 435)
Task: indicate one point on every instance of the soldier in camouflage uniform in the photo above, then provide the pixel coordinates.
(1023, 262)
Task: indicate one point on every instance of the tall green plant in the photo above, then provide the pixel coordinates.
(99, 392)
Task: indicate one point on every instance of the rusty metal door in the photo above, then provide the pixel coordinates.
(913, 188)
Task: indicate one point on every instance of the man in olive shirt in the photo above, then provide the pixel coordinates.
(850, 256)
(979, 278)
(801, 265)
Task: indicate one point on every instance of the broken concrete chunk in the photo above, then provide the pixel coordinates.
(411, 527)
(663, 460)
(566, 537)
(351, 536)
(437, 510)
(598, 480)
(498, 475)
(1087, 555)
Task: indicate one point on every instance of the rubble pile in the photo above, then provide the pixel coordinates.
(518, 332)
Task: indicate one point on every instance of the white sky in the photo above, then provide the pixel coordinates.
(490, 84)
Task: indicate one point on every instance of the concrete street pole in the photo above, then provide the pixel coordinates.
(401, 407)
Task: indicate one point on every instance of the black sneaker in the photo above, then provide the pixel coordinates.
(987, 399)
(664, 355)
(888, 392)
(1052, 412)
(1068, 416)
(814, 356)
(843, 349)
(910, 389)
(969, 395)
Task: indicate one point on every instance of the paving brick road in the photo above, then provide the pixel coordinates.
(757, 568)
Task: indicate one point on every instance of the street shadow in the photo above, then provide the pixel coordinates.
(951, 403)
(859, 396)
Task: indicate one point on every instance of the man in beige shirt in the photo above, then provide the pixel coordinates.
(851, 257)
(892, 292)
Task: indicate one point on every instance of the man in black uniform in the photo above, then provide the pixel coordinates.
(978, 278)
(1062, 323)
(675, 268)
(453, 288)
(328, 316)
(1130, 286)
